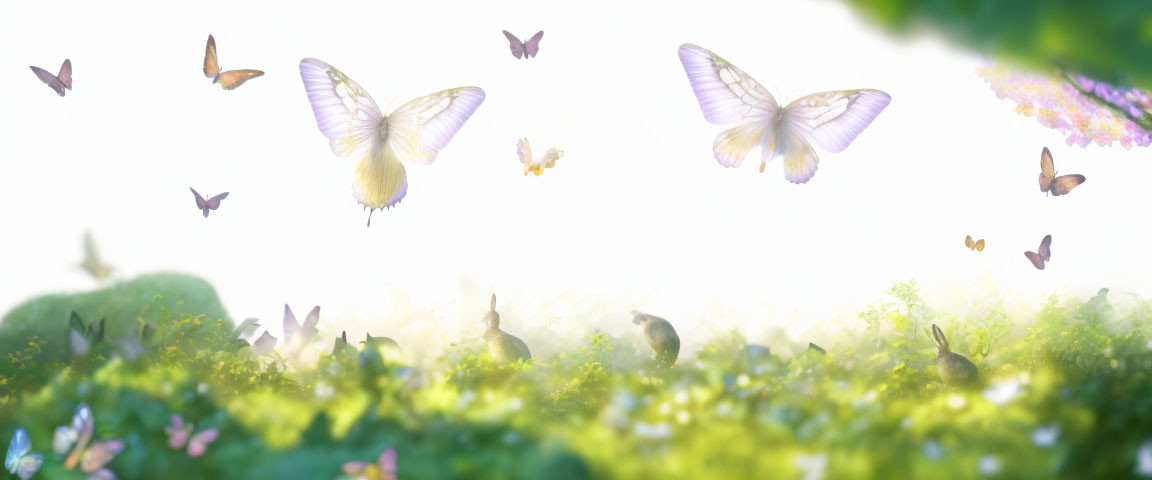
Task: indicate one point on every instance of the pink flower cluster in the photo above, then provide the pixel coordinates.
(1088, 110)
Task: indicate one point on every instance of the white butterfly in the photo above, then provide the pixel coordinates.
(727, 95)
(413, 133)
(20, 459)
(536, 166)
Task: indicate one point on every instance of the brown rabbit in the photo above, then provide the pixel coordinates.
(953, 367)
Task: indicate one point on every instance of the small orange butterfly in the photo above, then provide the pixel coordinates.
(977, 245)
(1050, 183)
(228, 80)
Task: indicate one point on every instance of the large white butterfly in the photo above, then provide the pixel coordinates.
(415, 132)
(727, 95)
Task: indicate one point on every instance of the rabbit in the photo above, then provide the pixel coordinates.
(660, 335)
(503, 347)
(954, 368)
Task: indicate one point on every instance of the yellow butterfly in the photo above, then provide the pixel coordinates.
(977, 245)
(536, 166)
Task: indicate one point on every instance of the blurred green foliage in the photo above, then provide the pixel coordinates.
(1110, 41)
(123, 304)
(1064, 395)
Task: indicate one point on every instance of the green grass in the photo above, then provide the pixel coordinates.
(872, 407)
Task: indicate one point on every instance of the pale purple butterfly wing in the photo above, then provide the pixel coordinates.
(726, 94)
(438, 116)
(344, 111)
(49, 79)
(65, 75)
(1045, 250)
(834, 119)
(308, 330)
(200, 202)
(291, 326)
(214, 202)
(264, 344)
(514, 44)
(199, 443)
(533, 44)
(1035, 259)
(388, 464)
(100, 453)
(102, 474)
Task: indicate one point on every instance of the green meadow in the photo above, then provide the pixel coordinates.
(1064, 394)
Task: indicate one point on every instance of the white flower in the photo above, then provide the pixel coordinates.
(933, 450)
(989, 465)
(1003, 391)
(812, 466)
(1144, 459)
(1046, 436)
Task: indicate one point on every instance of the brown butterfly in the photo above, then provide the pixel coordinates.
(1050, 183)
(58, 82)
(1042, 254)
(228, 80)
(974, 245)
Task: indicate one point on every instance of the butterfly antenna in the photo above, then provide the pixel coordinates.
(370, 210)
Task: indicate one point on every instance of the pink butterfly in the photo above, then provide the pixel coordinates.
(385, 468)
(58, 82)
(75, 441)
(526, 48)
(210, 204)
(179, 433)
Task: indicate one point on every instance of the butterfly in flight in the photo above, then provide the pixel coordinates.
(727, 95)
(1042, 254)
(58, 82)
(525, 49)
(180, 433)
(92, 263)
(536, 166)
(210, 204)
(977, 245)
(20, 459)
(74, 439)
(228, 80)
(384, 469)
(1050, 183)
(414, 132)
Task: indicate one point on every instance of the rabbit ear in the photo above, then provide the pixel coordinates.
(938, 336)
(492, 306)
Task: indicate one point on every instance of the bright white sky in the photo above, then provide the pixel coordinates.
(636, 215)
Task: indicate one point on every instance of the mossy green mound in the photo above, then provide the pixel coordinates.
(121, 304)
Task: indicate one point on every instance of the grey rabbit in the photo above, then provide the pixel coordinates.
(954, 368)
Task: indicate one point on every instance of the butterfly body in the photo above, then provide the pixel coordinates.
(229, 80)
(413, 133)
(727, 95)
(523, 49)
(209, 204)
(1050, 182)
(1041, 256)
(61, 81)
